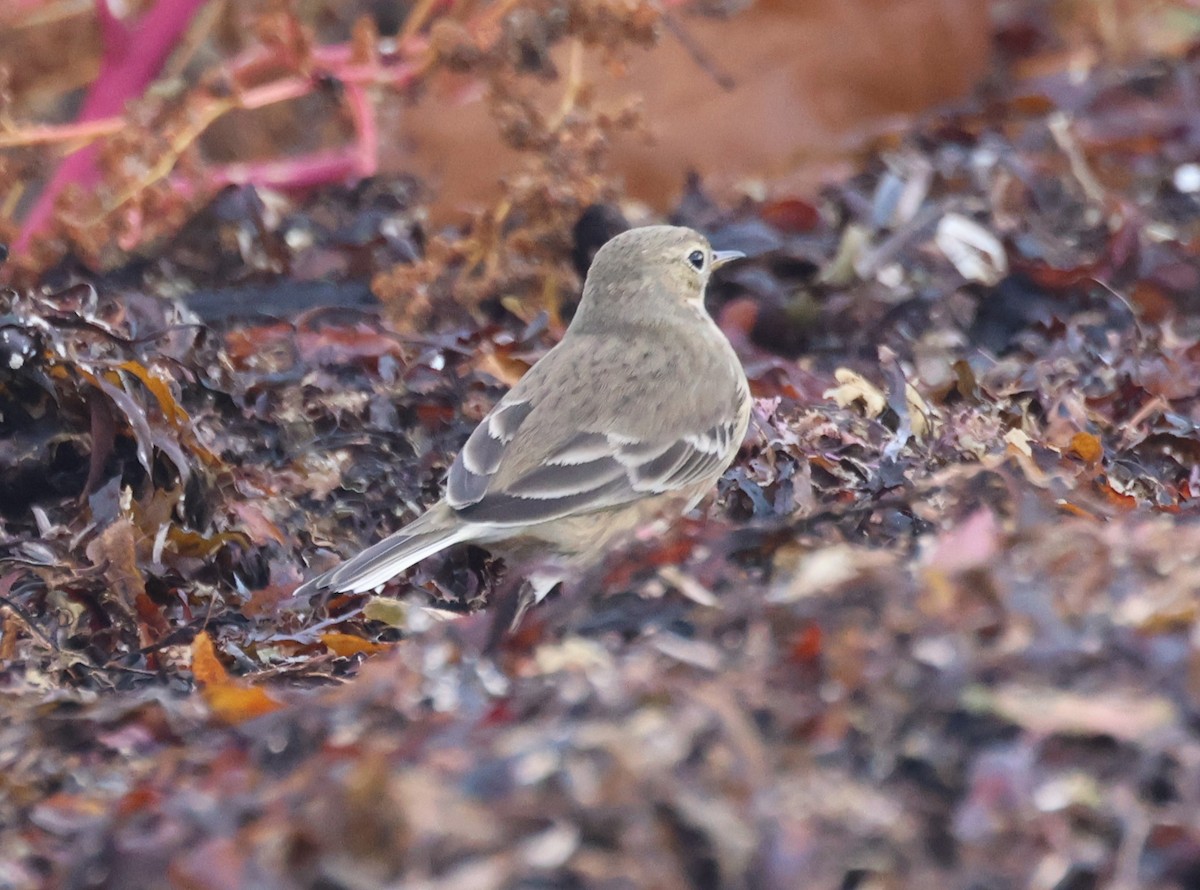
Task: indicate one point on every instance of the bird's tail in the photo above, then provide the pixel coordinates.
(424, 536)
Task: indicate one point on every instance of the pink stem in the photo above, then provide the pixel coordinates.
(132, 58)
(114, 33)
(302, 171)
(366, 130)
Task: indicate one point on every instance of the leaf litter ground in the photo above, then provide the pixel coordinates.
(938, 628)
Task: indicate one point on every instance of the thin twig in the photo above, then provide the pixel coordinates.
(418, 17)
(701, 56)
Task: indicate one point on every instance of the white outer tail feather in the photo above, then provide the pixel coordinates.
(386, 559)
(390, 568)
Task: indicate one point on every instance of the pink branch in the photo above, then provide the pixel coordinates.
(114, 33)
(302, 171)
(366, 130)
(132, 58)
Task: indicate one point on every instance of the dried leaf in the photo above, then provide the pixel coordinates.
(503, 367)
(229, 700)
(205, 667)
(853, 387)
(828, 569)
(1087, 447)
(1126, 715)
(975, 252)
(234, 703)
(158, 387)
(390, 611)
(971, 544)
(347, 645)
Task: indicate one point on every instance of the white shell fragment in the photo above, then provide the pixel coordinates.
(975, 252)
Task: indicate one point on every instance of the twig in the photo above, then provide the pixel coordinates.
(702, 57)
(418, 16)
(1060, 129)
(81, 131)
(166, 162)
(571, 91)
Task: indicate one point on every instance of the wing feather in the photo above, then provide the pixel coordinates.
(556, 480)
(590, 471)
(480, 458)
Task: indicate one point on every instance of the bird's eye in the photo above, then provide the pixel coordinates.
(696, 258)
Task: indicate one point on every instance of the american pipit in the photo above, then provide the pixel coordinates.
(632, 417)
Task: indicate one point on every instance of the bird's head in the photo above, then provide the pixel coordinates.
(652, 269)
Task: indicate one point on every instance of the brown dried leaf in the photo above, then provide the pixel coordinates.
(229, 700)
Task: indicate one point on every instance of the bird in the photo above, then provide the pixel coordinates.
(631, 418)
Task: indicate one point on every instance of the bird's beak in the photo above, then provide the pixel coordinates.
(721, 257)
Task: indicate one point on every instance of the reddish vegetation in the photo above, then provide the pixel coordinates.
(937, 627)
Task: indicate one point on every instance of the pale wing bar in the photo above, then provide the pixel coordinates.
(682, 463)
(591, 471)
(475, 465)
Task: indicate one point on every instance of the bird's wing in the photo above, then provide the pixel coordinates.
(592, 426)
(588, 471)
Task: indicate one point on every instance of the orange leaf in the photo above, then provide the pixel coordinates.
(229, 700)
(1087, 446)
(503, 367)
(347, 645)
(233, 704)
(1075, 510)
(1116, 498)
(190, 543)
(205, 667)
(171, 409)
